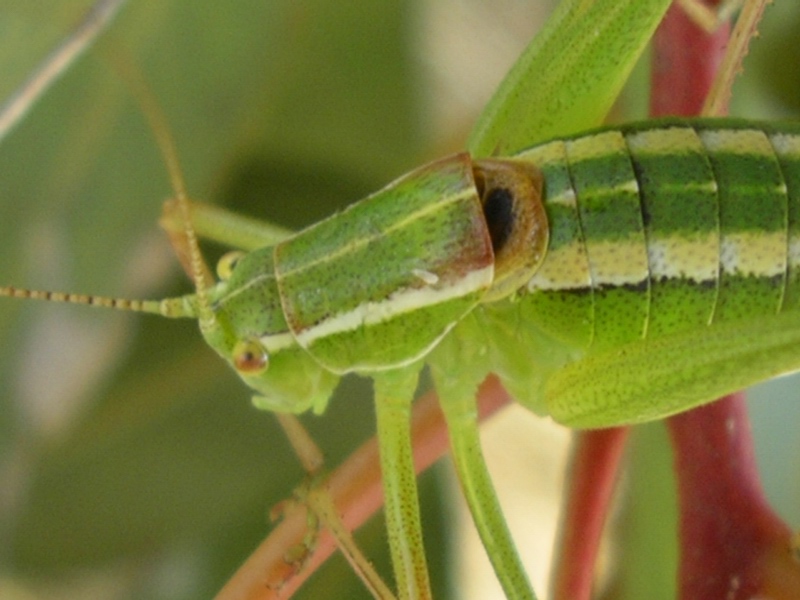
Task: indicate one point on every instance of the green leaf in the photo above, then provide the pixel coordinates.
(569, 76)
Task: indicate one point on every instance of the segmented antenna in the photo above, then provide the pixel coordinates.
(190, 306)
(174, 308)
(158, 124)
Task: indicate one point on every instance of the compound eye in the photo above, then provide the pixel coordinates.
(249, 357)
(227, 264)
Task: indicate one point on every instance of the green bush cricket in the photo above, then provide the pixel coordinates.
(708, 143)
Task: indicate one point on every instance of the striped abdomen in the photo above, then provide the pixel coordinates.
(663, 226)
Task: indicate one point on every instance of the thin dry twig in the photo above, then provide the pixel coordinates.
(56, 63)
(746, 29)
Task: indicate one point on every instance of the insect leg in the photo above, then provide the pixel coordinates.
(660, 378)
(223, 226)
(456, 396)
(315, 497)
(393, 393)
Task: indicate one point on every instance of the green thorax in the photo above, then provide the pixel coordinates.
(374, 287)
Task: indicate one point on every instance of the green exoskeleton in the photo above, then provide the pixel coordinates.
(579, 271)
(622, 277)
(280, 321)
(537, 253)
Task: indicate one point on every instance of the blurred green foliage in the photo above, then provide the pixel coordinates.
(130, 456)
(131, 462)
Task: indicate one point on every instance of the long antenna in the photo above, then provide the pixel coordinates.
(174, 308)
(166, 144)
(13, 110)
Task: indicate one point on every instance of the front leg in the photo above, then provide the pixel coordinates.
(315, 497)
(394, 391)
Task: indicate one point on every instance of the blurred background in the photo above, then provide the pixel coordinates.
(132, 464)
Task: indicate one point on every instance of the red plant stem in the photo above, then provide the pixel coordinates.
(685, 61)
(593, 473)
(356, 491)
(732, 544)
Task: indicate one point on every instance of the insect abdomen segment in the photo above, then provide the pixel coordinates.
(663, 226)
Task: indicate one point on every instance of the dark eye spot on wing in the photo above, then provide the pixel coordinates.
(498, 209)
